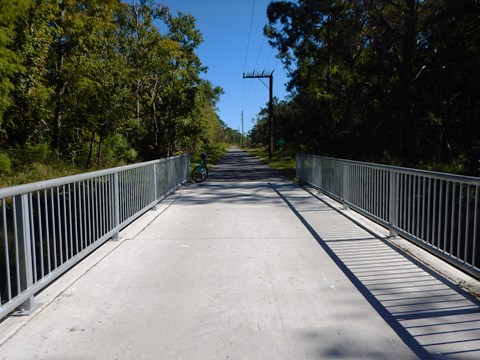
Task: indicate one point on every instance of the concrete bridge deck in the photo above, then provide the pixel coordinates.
(247, 266)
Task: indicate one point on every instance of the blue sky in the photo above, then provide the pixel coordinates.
(225, 26)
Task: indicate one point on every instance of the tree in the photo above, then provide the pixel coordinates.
(10, 62)
(383, 80)
(84, 76)
(319, 42)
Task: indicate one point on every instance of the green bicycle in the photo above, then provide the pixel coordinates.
(200, 172)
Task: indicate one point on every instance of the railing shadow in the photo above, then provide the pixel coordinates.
(434, 317)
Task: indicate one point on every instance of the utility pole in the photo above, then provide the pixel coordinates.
(254, 75)
(243, 140)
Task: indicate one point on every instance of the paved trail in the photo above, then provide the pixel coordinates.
(248, 266)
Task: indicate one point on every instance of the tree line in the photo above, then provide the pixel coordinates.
(90, 80)
(395, 81)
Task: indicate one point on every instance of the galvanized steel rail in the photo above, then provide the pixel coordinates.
(437, 211)
(47, 227)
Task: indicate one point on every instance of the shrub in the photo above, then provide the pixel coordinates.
(216, 151)
(117, 150)
(5, 164)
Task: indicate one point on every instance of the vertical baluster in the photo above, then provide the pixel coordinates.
(417, 196)
(69, 223)
(84, 218)
(424, 219)
(116, 202)
(467, 226)
(97, 222)
(403, 200)
(33, 244)
(436, 214)
(410, 203)
(88, 214)
(40, 234)
(475, 225)
(452, 220)
(459, 225)
(15, 237)
(47, 231)
(59, 219)
(7, 250)
(102, 206)
(54, 228)
(429, 206)
(76, 205)
(447, 198)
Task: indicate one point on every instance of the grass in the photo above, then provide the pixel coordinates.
(284, 162)
(37, 171)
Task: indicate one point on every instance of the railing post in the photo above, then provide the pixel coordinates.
(171, 174)
(393, 203)
(320, 173)
(24, 239)
(155, 187)
(346, 186)
(116, 206)
(187, 168)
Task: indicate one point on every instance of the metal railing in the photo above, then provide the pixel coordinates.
(437, 211)
(47, 227)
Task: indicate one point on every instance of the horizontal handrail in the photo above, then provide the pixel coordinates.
(429, 173)
(437, 211)
(47, 227)
(46, 184)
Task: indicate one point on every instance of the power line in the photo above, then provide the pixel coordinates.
(269, 57)
(246, 54)
(259, 53)
(249, 35)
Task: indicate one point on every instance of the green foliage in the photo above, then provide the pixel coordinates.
(5, 164)
(33, 163)
(101, 82)
(118, 151)
(214, 152)
(217, 151)
(9, 60)
(377, 80)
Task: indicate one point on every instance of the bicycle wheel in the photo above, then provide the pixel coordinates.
(199, 174)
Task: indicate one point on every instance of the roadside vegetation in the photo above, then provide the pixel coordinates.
(87, 85)
(393, 82)
(214, 153)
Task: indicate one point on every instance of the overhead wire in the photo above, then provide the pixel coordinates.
(269, 57)
(246, 53)
(249, 35)
(259, 53)
(252, 94)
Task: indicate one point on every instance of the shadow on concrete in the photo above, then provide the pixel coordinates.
(435, 318)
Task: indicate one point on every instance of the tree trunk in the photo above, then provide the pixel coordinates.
(90, 152)
(60, 87)
(408, 143)
(99, 153)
